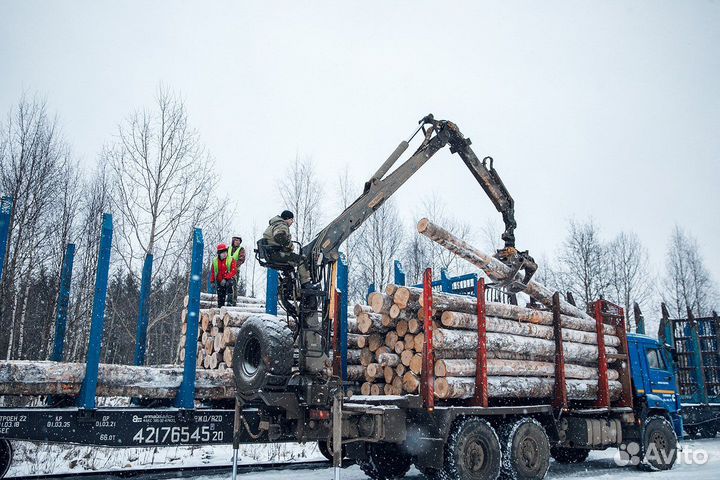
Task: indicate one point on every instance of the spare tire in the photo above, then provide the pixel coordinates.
(263, 354)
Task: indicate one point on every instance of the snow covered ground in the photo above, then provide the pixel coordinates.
(31, 459)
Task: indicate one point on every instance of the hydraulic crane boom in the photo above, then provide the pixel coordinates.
(438, 133)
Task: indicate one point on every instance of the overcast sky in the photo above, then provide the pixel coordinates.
(602, 109)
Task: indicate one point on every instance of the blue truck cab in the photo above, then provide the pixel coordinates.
(654, 380)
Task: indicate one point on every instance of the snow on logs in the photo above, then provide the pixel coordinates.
(520, 344)
(493, 267)
(218, 329)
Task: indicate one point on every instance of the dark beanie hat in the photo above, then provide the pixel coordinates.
(286, 215)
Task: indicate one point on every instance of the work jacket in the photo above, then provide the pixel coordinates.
(237, 254)
(277, 234)
(223, 270)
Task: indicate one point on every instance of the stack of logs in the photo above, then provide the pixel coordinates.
(386, 349)
(218, 330)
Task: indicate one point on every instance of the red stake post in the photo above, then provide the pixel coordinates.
(603, 398)
(427, 377)
(560, 401)
(480, 399)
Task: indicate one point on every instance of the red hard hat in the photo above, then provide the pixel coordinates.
(221, 247)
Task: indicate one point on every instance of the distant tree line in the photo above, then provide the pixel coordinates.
(155, 177)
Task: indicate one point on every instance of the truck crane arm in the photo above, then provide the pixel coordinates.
(438, 133)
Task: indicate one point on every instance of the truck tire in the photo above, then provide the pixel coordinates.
(263, 354)
(385, 462)
(569, 455)
(659, 446)
(525, 450)
(325, 447)
(6, 455)
(472, 451)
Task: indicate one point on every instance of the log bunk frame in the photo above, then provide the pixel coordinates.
(606, 313)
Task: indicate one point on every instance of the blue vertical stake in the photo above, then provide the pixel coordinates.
(143, 311)
(271, 292)
(86, 399)
(344, 287)
(6, 206)
(445, 283)
(186, 394)
(63, 300)
(399, 273)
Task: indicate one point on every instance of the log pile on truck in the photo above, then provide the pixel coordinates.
(387, 349)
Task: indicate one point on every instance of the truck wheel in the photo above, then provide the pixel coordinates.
(569, 455)
(659, 449)
(325, 447)
(472, 451)
(385, 462)
(6, 454)
(526, 450)
(263, 354)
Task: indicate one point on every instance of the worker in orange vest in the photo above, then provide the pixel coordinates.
(224, 270)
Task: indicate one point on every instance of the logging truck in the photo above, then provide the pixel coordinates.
(488, 388)
(482, 422)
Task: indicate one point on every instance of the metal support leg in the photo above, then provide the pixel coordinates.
(236, 439)
(337, 432)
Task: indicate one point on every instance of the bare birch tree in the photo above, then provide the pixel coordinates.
(302, 193)
(687, 283)
(94, 202)
(33, 157)
(584, 263)
(379, 242)
(163, 183)
(630, 279)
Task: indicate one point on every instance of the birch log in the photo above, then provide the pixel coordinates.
(493, 267)
(516, 368)
(502, 325)
(456, 304)
(380, 302)
(445, 339)
(520, 387)
(20, 377)
(371, 322)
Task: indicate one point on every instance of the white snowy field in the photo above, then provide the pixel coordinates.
(43, 459)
